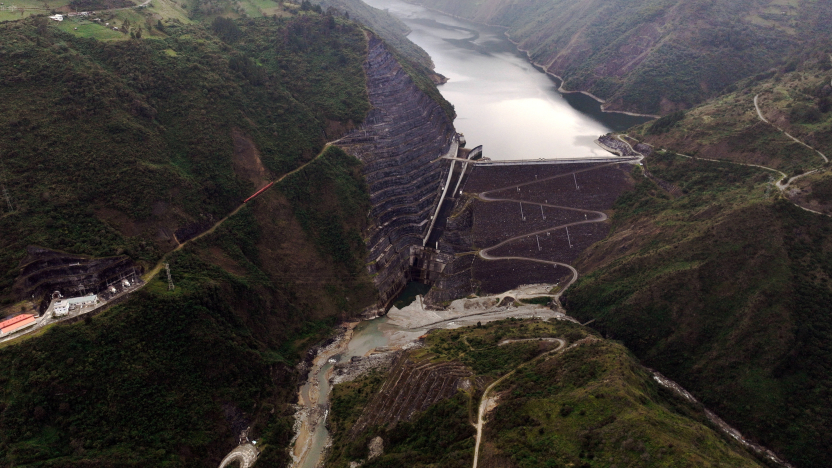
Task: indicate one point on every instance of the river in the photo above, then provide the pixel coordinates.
(502, 101)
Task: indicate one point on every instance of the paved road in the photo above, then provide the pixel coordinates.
(245, 455)
(484, 401)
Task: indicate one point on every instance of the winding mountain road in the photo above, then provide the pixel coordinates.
(760, 115)
(599, 218)
(784, 181)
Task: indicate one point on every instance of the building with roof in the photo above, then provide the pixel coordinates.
(62, 306)
(16, 323)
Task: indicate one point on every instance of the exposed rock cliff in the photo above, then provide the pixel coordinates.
(398, 142)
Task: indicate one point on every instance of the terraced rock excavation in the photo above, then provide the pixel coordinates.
(401, 137)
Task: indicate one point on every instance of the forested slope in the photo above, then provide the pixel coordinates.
(135, 145)
(724, 289)
(588, 403)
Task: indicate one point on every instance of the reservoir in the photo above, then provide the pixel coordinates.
(502, 101)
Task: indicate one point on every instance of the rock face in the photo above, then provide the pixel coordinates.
(404, 132)
(43, 271)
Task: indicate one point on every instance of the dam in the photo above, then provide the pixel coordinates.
(478, 221)
(416, 163)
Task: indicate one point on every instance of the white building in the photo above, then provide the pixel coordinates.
(62, 307)
(57, 17)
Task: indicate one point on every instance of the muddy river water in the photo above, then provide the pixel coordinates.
(314, 394)
(502, 101)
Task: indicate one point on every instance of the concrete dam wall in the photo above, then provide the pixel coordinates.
(402, 136)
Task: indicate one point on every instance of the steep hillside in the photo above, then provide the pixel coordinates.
(722, 288)
(566, 398)
(651, 56)
(131, 147)
(789, 128)
(173, 377)
(135, 146)
(387, 26)
(409, 127)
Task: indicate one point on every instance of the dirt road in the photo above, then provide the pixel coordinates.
(487, 403)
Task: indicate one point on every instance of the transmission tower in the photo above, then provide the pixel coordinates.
(8, 199)
(3, 186)
(170, 280)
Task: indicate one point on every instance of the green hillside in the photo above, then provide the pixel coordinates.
(589, 405)
(724, 290)
(113, 147)
(652, 56)
(795, 99)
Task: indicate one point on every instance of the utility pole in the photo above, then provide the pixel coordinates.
(576, 181)
(538, 243)
(170, 280)
(521, 212)
(541, 213)
(567, 237)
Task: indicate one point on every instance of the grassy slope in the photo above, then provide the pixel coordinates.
(796, 97)
(722, 289)
(624, 51)
(591, 404)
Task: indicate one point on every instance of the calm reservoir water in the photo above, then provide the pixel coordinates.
(502, 101)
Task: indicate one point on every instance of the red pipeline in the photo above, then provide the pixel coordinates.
(258, 192)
